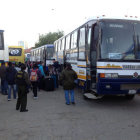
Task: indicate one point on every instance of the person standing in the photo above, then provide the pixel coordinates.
(3, 79)
(68, 76)
(41, 79)
(23, 82)
(10, 77)
(34, 76)
(57, 68)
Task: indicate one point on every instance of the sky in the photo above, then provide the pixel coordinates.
(25, 20)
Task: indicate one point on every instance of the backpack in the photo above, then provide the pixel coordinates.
(20, 80)
(33, 75)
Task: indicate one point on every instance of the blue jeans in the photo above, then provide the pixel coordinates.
(67, 96)
(10, 87)
(4, 86)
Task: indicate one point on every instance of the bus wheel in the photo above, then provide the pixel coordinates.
(129, 97)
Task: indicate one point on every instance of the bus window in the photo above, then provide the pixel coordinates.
(59, 46)
(68, 42)
(88, 43)
(74, 40)
(55, 47)
(62, 44)
(39, 52)
(81, 43)
(1, 41)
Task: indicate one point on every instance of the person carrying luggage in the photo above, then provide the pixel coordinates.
(67, 77)
(23, 82)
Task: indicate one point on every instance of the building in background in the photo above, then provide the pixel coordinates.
(27, 54)
(23, 43)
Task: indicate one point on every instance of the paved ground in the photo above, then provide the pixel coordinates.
(112, 118)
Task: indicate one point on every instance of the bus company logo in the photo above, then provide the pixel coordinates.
(135, 75)
(112, 66)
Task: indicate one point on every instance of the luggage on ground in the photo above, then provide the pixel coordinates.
(48, 84)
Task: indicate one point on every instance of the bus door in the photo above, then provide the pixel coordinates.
(93, 54)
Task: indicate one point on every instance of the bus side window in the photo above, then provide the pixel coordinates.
(88, 43)
(68, 42)
(81, 43)
(1, 41)
(62, 44)
(74, 40)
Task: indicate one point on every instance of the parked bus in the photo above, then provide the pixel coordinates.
(105, 53)
(4, 57)
(43, 53)
(16, 54)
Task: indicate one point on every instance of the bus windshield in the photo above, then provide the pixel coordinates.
(49, 52)
(117, 40)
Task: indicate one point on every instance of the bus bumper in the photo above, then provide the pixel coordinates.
(118, 86)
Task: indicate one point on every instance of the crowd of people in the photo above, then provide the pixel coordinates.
(19, 78)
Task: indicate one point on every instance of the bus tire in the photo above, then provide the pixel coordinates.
(129, 97)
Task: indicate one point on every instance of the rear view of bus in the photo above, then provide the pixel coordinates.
(16, 54)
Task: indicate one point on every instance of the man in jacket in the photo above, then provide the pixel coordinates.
(10, 77)
(4, 85)
(23, 82)
(68, 77)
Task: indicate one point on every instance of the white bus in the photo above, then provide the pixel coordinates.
(4, 56)
(105, 53)
(42, 53)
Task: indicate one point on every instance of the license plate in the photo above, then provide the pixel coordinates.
(132, 92)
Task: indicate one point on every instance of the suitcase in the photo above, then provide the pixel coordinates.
(48, 84)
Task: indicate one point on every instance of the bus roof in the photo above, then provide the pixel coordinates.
(95, 19)
(47, 45)
(114, 17)
(1, 31)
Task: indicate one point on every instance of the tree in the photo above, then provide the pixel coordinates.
(48, 38)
